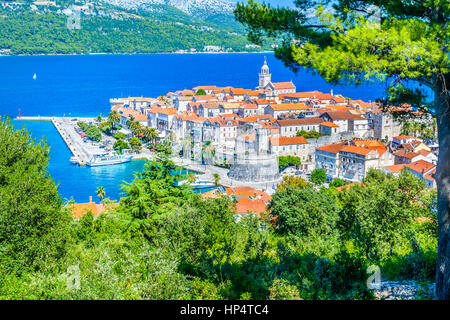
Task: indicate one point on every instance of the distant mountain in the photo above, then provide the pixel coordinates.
(196, 8)
(218, 12)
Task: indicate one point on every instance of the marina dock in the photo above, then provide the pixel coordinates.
(81, 151)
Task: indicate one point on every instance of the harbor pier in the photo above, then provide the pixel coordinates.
(82, 151)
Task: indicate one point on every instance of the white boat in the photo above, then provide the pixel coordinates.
(108, 159)
(34, 76)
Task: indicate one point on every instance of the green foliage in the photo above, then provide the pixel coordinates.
(309, 134)
(379, 213)
(34, 224)
(318, 176)
(91, 131)
(120, 145)
(165, 242)
(25, 31)
(285, 161)
(200, 92)
(105, 127)
(119, 135)
(304, 212)
(282, 290)
(336, 183)
(292, 181)
(135, 143)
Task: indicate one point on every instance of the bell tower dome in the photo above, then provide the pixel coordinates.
(264, 75)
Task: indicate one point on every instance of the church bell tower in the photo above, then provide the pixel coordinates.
(264, 75)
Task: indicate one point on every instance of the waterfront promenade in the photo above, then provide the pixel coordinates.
(82, 151)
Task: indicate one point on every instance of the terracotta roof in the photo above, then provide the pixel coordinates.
(404, 137)
(293, 122)
(210, 105)
(395, 168)
(281, 141)
(332, 148)
(245, 205)
(289, 106)
(421, 166)
(263, 101)
(340, 115)
(356, 150)
(247, 191)
(262, 118)
(205, 87)
(300, 95)
(329, 124)
(404, 153)
(184, 98)
(283, 85)
(424, 153)
(206, 97)
(185, 92)
(325, 96)
(80, 209)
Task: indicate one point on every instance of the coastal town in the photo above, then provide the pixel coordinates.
(243, 142)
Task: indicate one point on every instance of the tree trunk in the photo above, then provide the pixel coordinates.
(442, 105)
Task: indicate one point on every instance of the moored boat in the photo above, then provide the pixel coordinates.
(108, 159)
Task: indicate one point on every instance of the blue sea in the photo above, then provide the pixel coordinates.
(80, 85)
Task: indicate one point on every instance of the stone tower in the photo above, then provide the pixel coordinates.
(264, 76)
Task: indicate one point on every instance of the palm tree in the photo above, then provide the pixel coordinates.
(99, 118)
(100, 192)
(407, 128)
(114, 118)
(135, 127)
(216, 178)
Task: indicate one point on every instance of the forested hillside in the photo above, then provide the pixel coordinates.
(30, 29)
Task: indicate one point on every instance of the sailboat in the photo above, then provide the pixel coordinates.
(34, 76)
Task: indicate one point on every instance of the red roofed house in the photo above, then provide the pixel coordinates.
(329, 128)
(290, 127)
(277, 109)
(290, 146)
(355, 162)
(348, 122)
(394, 169)
(327, 158)
(397, 141)
(424, 170)
(298, 96)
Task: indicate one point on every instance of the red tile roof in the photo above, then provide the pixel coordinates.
(356, 150)
(332, 148)
(329, 124)
(282, 141)
(395, 168)
(294, 122)
(283, 85)
(421, 166)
